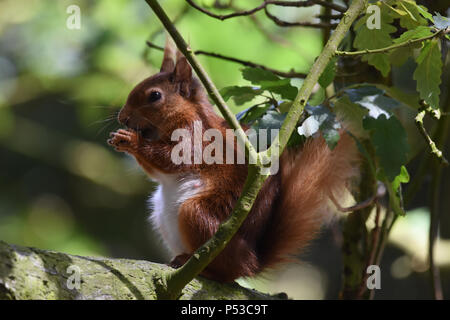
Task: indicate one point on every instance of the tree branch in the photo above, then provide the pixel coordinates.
(296, 4)
(28, 273)
(392, 47)
(431, 144)
(282, 23)
(290, 74)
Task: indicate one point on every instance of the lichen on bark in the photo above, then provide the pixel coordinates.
(29, 273)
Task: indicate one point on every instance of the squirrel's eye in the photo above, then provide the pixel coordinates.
(154, 96)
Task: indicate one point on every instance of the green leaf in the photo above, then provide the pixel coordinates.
(403, 177)
(351, 113)
(318, 97)
(408, 99)
(270, 120)
(373, 99)
(256, 75)
(424, 12)
(328, 125)
(390, 142)
(285, 106)
(271, 82)
(419, 32)
(399, 56)
(396, 11)
(328, 74)
(282, 87)
(253, 113)
(395, 197)
(375, 39)
(395, 192)
(240, 95)
(414, 17)
(428, 73)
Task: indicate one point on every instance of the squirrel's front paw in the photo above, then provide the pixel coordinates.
(124, 140)
(179, 261)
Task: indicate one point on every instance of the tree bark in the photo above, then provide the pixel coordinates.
(29, 273)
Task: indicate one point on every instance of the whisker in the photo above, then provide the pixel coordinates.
(102, 129)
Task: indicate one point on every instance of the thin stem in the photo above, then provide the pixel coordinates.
(373, 249)
(359, 206)
(392, 47)
(297, 4)
(434, 231)
(291, 74)
(432, 145)
(282, 23)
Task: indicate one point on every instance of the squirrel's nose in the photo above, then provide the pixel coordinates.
(123, 118)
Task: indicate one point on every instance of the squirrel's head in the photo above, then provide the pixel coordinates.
(165, 99)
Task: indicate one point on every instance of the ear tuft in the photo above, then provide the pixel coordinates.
(183, 74)
(168, 64)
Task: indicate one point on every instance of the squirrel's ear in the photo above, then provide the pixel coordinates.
(168, 64)
(183, 74)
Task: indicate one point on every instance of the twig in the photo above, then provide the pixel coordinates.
(290, 74)
(282, 23)
(361, 205)
(392, 47)
(434, 231)
(432, 145)
(330, 16)
(150, 38)
(372, 255)
(297, 4)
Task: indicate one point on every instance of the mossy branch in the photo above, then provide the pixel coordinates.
(170, 284)
(29, 273)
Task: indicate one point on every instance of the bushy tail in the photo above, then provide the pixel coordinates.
(308, 176)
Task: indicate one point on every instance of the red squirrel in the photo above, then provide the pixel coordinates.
(193, 199)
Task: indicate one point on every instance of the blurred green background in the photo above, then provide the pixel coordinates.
(63, 188)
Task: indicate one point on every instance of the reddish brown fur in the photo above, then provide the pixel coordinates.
(288, 211)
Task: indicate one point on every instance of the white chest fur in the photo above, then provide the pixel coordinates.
(165, 202)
